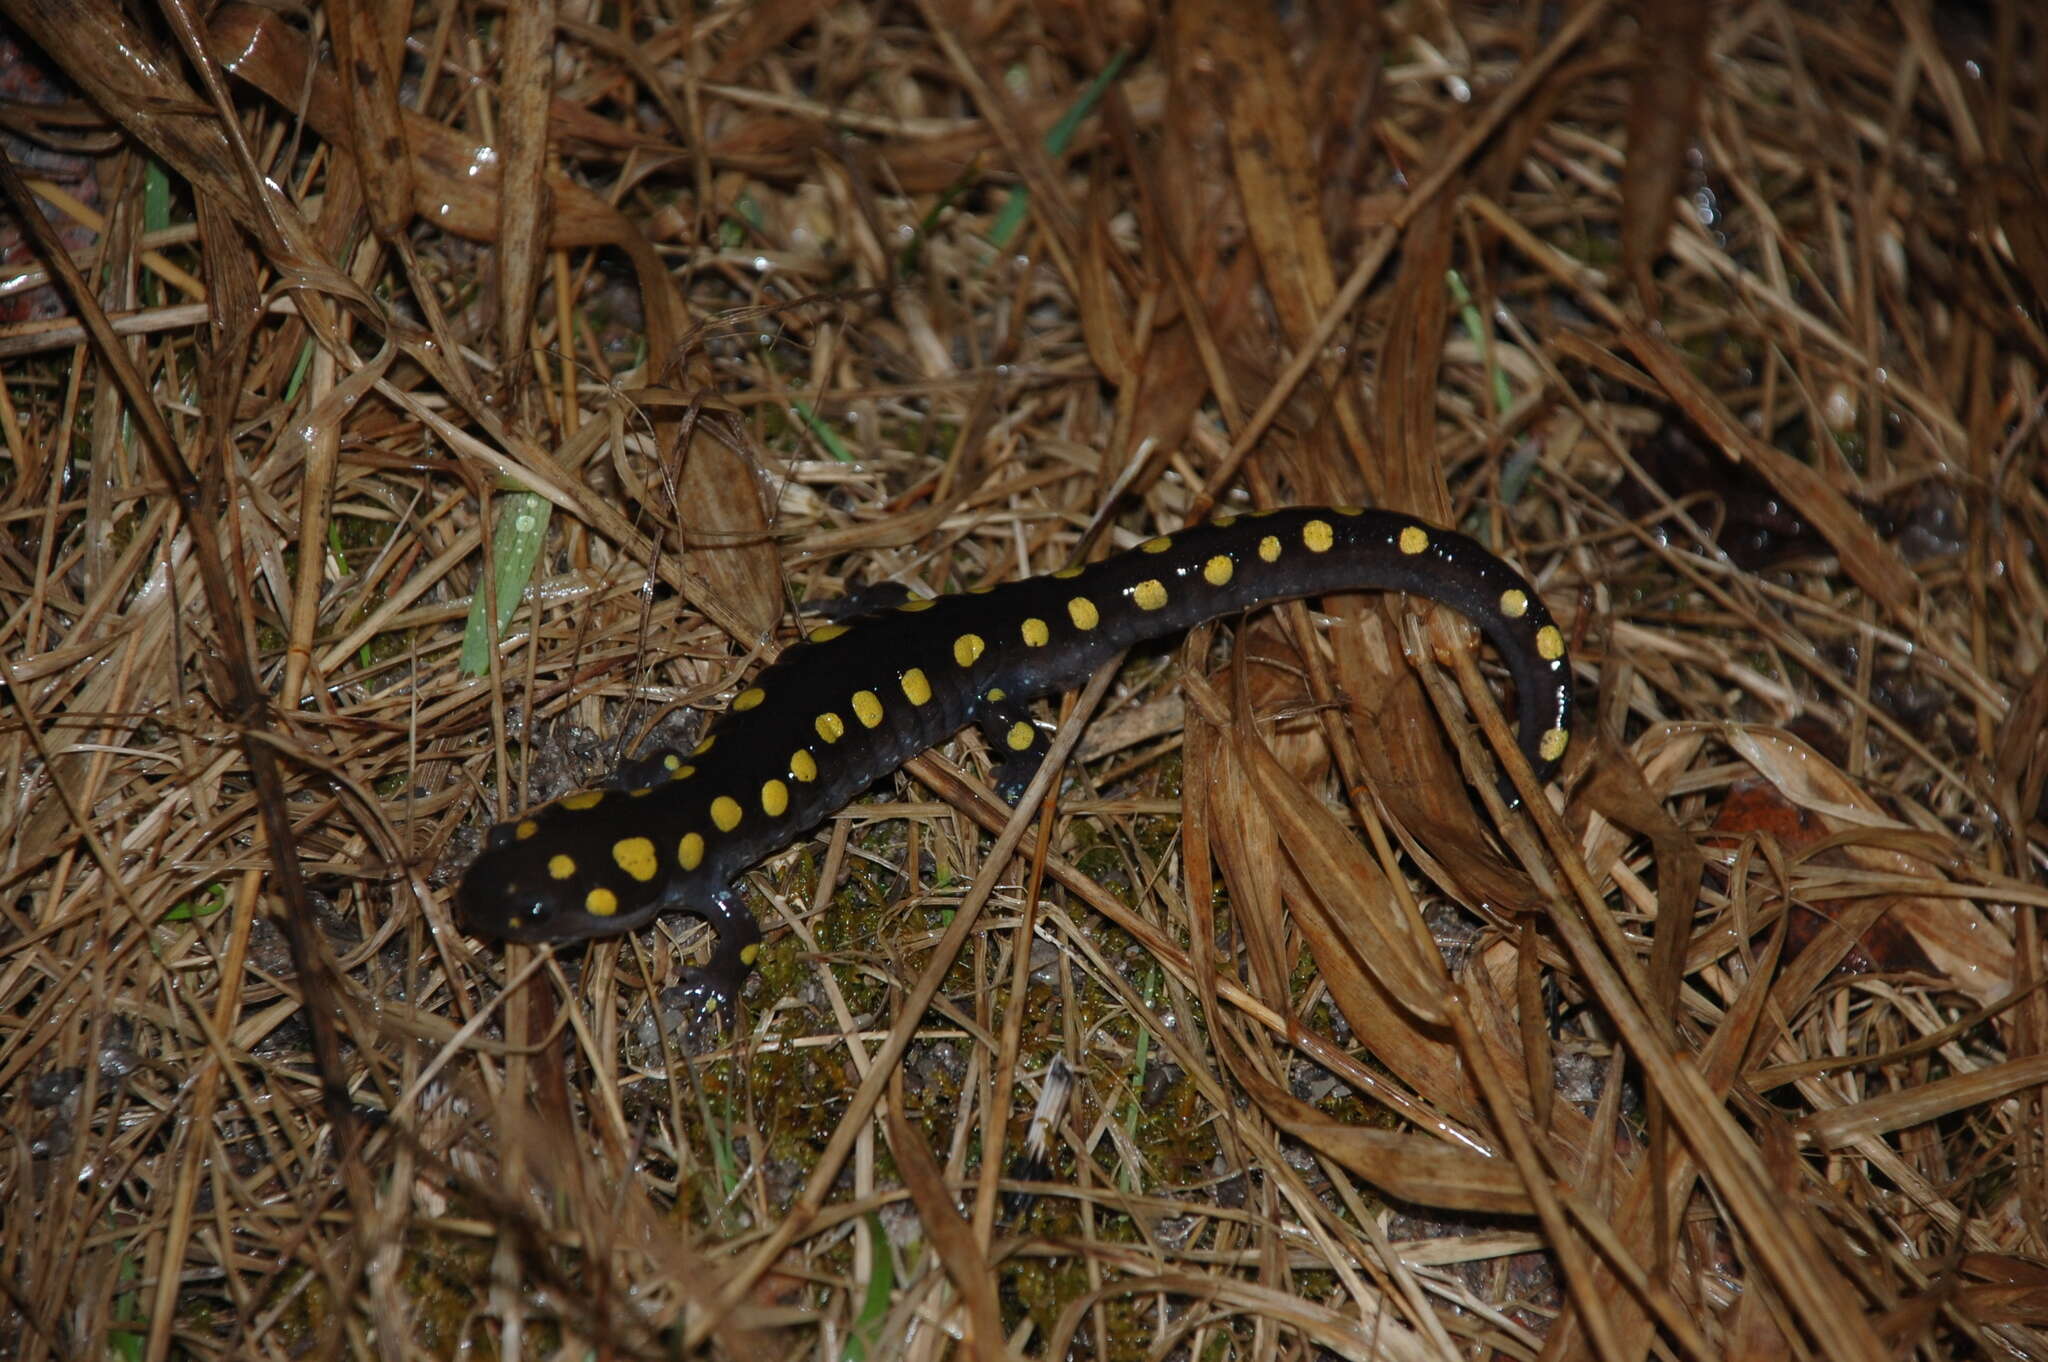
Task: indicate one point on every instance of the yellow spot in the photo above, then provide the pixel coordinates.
(1068, 572)
(825, 633)
(672, 764)
(1553, 744)
(1150, 594)
(703, 747)
(1021, 736)
(830, 727)
(600, 903)
(996, 694)
(1159, 545)
(916, 688)
(1224, 521)
(1549, 643)
(527, 827)
(921, 603)
(682, 773)
(967, 649)
(749, 953)
(1514, 603)
(690, 851)
(1218, 570)
(588, 799)
(640, 793)
(635, 856)
(1414, 539)
(561, 867)
(748, 698)
(1318, 535)
(867, 707)
(803, 766)
(725, 812)
(1349, 510)
(1083, 612)
(1269, 548)
(1036, 634)
(774, 798)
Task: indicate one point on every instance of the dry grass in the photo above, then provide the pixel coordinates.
(1733, 1049)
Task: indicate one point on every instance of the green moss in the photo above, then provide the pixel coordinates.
(444, 1276)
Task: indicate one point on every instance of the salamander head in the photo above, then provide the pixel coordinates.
(533, 888)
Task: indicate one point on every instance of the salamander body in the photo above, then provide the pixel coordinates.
(842, 709)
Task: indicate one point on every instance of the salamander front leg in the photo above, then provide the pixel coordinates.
(656, 768)
(1019, 744)
(871, 599)
(716, 986)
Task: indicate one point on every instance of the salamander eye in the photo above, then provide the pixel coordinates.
(529, 919)
(517, 914)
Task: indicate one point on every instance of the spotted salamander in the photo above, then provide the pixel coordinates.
(855, 700)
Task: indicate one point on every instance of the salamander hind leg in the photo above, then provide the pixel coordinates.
(1018, 743)
(715, 987)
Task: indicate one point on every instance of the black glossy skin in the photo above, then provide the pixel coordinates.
(804, 738)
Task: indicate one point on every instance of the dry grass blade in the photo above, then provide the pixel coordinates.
(727, 566)
(1924, 1104)
(1719, 323)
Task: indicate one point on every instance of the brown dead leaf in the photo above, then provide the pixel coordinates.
(1270, 157)
(1415, 775)
(524, 204)
(1416, 1168)
(1966, 947)
(1411, 477)
(377, 131)
(765, 26)
(1672, 42)
(1243, 842)
(1359, 915)
(1345, 921)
